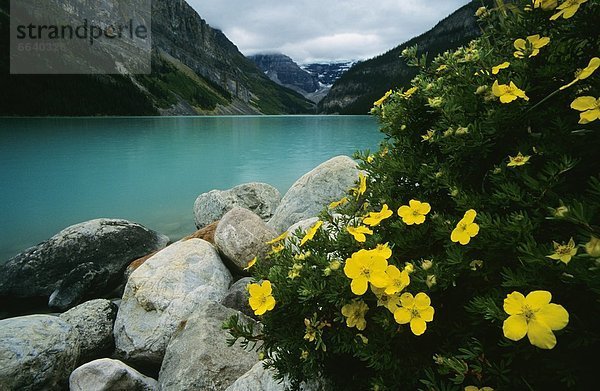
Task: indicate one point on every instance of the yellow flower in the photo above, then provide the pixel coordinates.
(431, 280)
(295, 271)
(408, 93)
(428, 136)
(391, 302)
(561, 211)
(279, 238)
(535, 317)
(355, 314)
(481, 12)
(416, 311)
(532, 45)
(250, 263)
(375, 218)
(564, 252)
(426, 264)
(341, 202)
(304, 355)
(498, 67)
(435, 101)
(370, 159)
(261, 300)
(474, 388)
(567, 9)
(546, 5)
(277, 247)
(442, 68)
(414, 212)
(359, 233)
(593, 247)
(466, 228)
(518, 160)
(508, 93)
(311, 232)
(302, 256)
(383, 99)
(409, 267)
(589, 107)
(366, 266)
(362, 185)
(585, 72)
(398, 280)
(335, 264)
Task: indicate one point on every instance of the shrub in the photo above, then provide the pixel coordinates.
(467, 256)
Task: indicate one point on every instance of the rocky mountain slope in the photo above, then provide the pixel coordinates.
(313, 81)
(283, 70)
(367, 81)
(195, 70)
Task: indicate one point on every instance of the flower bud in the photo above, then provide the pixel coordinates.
(426, 264)
(593, 247)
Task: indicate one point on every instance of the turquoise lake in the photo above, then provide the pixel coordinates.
(56, 172)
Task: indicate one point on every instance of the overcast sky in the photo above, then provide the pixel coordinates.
(315, 30)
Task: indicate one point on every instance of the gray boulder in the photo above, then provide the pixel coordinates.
(260, 198)
(94, 321)
(241, 235)
(37, 352)
(83, 261)
(260, 379)
(198, 357)
(237, 297)
(106, 374)
(307, 197)
(163, 292)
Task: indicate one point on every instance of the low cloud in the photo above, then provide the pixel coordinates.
(317, 30)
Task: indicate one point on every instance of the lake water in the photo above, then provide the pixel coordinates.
(56, 172)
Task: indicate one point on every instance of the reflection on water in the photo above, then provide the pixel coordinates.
(58, 172)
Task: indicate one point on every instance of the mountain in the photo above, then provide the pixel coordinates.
(328, 73)
(313, 81)
(356, 90)
(195, 70)
(284, 71)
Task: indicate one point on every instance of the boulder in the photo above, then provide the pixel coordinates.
(237, 297)
(83, 261)
(260, 379)
(241, 235)
(106, 374)
(207, 233)
(307, 197)
(94, 321)
(260, 198)
(37, 352)
(198, 358)
(163, 292)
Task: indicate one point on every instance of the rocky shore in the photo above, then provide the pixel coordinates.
(127, 310)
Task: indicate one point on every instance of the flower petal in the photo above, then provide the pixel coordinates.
(359, 286)
(407, 300)
(424, 208)
(541, 335)
(553, 315)
(537, 299)
(472, 229)
(404, 210)
(422, 300)
(402, 315)
(588, 116)
(515, 327)
(513, 304)
(427, 313)
(417, 326)
(583, 103)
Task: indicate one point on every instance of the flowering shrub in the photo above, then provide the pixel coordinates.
(474, 226)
